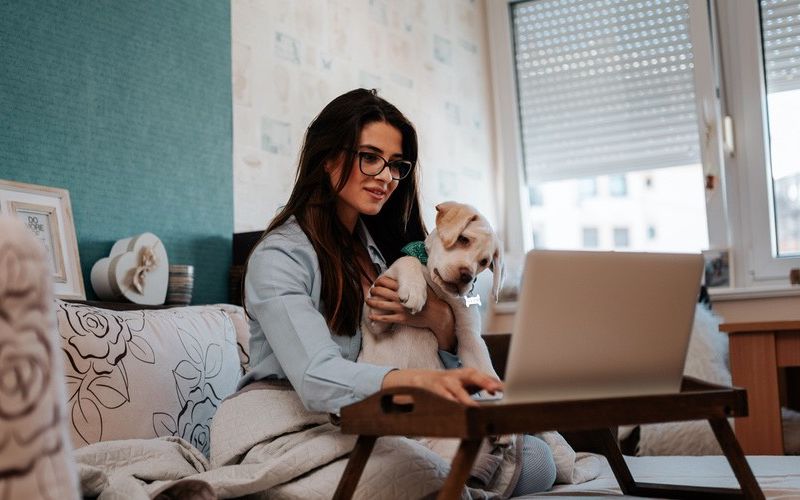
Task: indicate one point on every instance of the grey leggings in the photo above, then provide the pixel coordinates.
(538, 468)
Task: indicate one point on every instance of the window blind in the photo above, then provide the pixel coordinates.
(605, 86)
(780, 30)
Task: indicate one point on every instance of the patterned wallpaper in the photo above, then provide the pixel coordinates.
(428, 57)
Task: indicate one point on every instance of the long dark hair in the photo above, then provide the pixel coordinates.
(334, 135)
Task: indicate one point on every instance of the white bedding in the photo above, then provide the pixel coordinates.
(779, 476)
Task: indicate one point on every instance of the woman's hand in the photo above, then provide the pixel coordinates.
(435, 315)
(454, 385)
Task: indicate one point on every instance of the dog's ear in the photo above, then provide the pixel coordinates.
(498, 271)
(451, 219)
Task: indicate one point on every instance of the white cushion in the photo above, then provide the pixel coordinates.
(148, 373)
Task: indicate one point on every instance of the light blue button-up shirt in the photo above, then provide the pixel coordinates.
(289, 338)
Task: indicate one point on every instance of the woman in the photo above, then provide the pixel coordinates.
(353, 207)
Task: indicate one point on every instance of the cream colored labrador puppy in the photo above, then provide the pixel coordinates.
(462, 245)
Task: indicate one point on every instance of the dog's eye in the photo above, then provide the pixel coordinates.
(484, 262)
(463, 240)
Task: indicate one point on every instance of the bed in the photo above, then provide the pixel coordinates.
(778, 476)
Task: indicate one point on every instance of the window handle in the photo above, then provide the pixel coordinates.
(728, 144)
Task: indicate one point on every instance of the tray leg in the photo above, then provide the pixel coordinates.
(355, 466)
(460, 469)
(736, 459)
(603, 441)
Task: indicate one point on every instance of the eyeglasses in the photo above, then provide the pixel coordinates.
(373, 164)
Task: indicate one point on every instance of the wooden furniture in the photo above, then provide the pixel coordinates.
(585, 424)
(757, 352)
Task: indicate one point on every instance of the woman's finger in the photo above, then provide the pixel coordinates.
(388, 318)
(386, 282)
(442, 387)
(457, 390)
(385, 305)
(441, 391)
(384, 293)
(471, 377)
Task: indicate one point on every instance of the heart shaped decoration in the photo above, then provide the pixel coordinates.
(136, 270)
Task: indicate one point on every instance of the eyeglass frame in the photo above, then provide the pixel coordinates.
(385, 164)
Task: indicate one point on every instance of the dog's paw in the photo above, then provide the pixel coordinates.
(413, 298)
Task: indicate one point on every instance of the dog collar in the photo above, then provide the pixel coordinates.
(416, 249)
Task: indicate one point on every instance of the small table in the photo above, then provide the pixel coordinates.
(757, 351)
(587, 424)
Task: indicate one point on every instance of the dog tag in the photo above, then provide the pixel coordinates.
(473, 301)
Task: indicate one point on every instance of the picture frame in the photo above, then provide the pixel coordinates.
(47, 213)
(717, 272)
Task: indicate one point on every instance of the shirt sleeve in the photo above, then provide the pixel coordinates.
(278, 289)
(449, 360)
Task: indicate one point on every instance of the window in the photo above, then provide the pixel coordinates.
(760, 47)
(535, 196)
(780, 32)
(606, 89)
(637, 90)
(587, 188)
(590, 238)
(537, 238)
(617, 185)
(621, 237)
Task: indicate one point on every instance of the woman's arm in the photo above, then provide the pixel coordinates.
(452, 384)
(436, 315)
(293, 340)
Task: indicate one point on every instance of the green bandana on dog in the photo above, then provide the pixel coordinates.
(416, 249)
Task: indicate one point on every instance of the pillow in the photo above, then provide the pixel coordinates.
(147, 373)
(707, 359)
(35, 452)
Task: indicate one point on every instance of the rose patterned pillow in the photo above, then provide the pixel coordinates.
(35, 453)
(147, 373)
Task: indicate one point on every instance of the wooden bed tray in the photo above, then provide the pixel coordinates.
(586, 424)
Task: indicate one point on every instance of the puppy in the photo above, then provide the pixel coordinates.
(462, 245)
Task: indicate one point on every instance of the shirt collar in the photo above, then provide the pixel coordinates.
(366, 238)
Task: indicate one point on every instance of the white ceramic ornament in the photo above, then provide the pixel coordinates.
(136, 270)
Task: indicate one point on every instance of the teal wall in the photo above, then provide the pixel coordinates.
(127, 104)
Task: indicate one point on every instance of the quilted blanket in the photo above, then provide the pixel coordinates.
(264, 443)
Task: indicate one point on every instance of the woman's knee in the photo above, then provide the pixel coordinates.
(538, 467)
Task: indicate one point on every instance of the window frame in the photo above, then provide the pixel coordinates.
(753, 222)
(724, 35)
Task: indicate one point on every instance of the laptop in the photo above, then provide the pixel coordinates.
(601, 324)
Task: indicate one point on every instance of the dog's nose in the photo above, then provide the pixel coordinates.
(465, 278)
